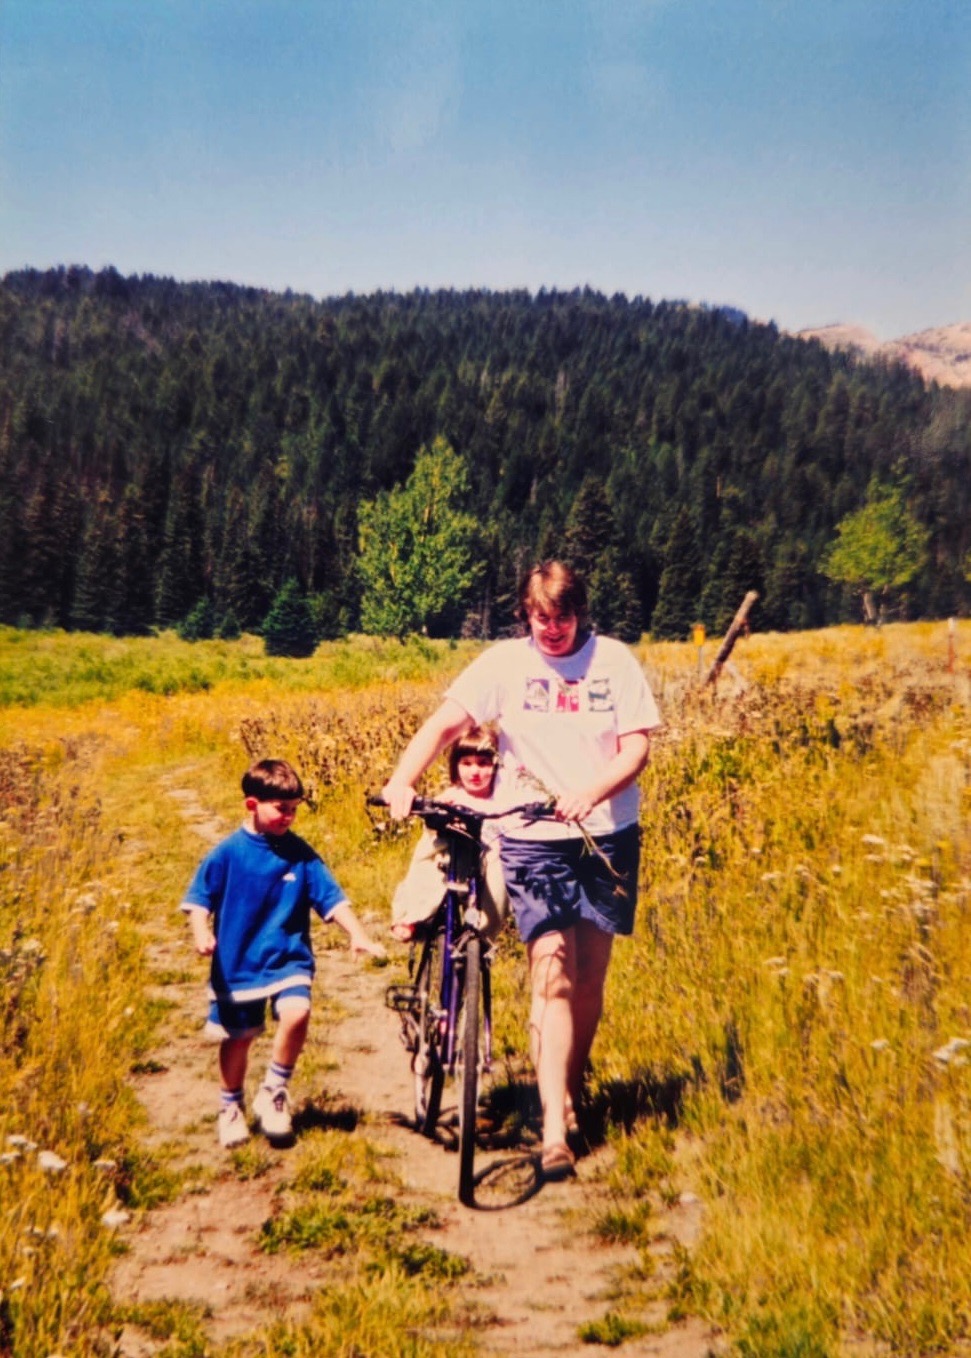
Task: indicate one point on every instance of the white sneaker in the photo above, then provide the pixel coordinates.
(233, 1130)
(272, 1108)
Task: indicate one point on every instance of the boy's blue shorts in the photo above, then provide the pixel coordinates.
(247, 1018)
(553, 883)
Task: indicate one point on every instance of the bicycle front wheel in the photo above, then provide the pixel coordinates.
(427, 1064)
(468, 1068)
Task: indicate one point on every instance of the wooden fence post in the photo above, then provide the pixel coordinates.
(731, 636)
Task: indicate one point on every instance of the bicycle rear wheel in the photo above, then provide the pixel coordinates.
(427, 1064)
(467, 1072)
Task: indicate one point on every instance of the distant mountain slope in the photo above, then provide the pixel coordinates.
(942, 355)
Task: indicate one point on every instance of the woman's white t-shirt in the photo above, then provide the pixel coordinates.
(559, 719)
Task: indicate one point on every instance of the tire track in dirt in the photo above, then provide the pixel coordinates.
(540, 1274)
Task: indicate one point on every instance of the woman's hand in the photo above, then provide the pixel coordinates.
(399, 797)
(575, 806)
(444, 725)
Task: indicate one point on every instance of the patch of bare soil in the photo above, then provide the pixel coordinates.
(540, 1273)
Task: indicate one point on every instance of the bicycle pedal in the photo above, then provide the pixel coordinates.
(403, 999)
(408, 1033)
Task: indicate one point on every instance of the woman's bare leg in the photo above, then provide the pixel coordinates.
(593, 949)
(552, 969)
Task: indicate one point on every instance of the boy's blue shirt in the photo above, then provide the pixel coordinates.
(260, 890)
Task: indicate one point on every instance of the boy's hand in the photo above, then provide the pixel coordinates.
(365, 946)
(202, 935)
(359, 938)
(205, 941)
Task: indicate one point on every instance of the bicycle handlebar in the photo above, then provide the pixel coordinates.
(428, 806)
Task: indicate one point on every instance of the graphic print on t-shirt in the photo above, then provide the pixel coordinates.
(599, 696)
(537, 697)
(567, 696)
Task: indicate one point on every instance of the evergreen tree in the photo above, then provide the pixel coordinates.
(200, 624)
(735, 568)
(11, 547)
(228, 628)
(49, 538)
(179, 575)
(590, 546)
(677, 605)
(288, 628)
(97, 570)
(131, 607)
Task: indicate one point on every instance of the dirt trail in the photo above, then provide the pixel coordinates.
(540, 1275)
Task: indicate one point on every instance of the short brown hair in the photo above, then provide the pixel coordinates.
(555, 586)
(479, 740)
(272, 780)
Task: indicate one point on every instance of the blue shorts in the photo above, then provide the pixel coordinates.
(247, 1018)
(553, 883)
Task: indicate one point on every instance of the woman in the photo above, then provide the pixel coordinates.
(574, 713)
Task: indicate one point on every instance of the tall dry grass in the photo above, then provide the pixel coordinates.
(784, 1036)
(796, 997)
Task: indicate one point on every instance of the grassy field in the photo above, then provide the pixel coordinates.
(786, 1035)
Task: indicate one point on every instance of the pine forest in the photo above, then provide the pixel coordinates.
(220, 458)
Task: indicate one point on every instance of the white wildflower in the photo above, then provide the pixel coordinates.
(951, 1052)
(8, 1157)
(771, 877)
(116, 1217)
(774, 962)
(880, 1044)
(874, 841)
(21, 1142)
(106, 1166)
(51, 1163)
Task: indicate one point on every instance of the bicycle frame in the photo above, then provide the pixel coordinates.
(459, 918)
(443, 1037)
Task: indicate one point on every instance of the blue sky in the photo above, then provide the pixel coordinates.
(806, 160)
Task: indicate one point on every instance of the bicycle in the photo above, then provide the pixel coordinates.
(446, 1009)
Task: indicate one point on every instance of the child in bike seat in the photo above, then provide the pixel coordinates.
(472, 762)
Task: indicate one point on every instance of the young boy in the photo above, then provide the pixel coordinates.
(249, 906)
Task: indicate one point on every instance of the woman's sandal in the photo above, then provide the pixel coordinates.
(557, 1162)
